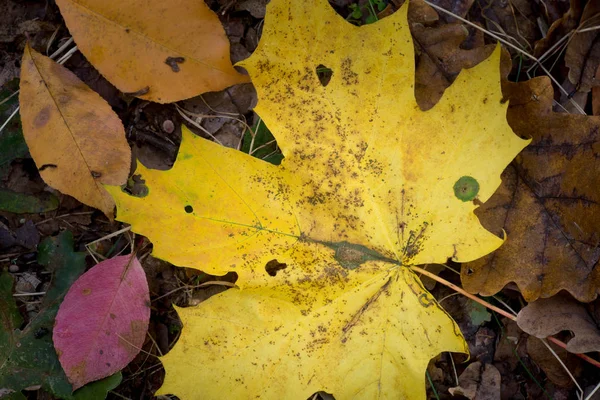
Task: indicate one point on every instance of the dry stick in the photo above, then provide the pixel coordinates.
(494, 308)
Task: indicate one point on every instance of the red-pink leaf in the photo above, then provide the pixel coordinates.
(102, 322)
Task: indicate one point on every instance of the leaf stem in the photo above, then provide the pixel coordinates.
(496, 309)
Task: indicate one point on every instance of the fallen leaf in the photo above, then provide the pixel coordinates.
(27, 356)
(441, 59)
(154, 51)
(582, 55)
(554, 370)
(548, 204)
(369, 185)
(21, 203)
(560, 28)
(596, 95)
(12, 143)
(456, 7)
(546, 317)
(478, 382)
(58, 113)
(516, 19)
(102, 322)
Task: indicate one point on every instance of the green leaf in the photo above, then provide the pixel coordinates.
(98, 389)
(27, 356)
(21, 203)
(12, 144)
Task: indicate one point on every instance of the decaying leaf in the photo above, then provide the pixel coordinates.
(157, 51)
(548, 205)
(551, 366)
(11, 139)
(76, 140)
(102, 322)
(478, 382)
(441, 59)
(546, 317)
(560, 27)
(582, 56)
(369, 185)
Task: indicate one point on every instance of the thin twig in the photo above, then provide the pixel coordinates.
(496, 309)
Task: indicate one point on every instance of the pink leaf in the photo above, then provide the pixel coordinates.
(101, 324)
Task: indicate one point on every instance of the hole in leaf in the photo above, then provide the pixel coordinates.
(324, 74)
(189, 209)
(469, 271)
(274, 266)
(259, 142)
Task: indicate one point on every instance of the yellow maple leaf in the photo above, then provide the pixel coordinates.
(322, 244)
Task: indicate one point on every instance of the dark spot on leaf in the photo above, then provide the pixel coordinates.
(189, 209)
(101, 351)
(466, 188)
(112, 316)
(174, 62)
(96, 174)
(86, 291)
(108, 364)
(324, 74)
(273, 266)
(42, 117)
(127, 30)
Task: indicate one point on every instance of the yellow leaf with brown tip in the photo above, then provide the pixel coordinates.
(76, 140)
(161, 51)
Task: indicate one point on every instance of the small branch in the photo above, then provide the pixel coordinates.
(496, 309)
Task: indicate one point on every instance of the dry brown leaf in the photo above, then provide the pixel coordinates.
(456, 7)
(546, 317)
(76, 140)
(596, 95)
(560, 28)
(158, 51)
(555, 372)
(548, 204)
(515, 19)
(441, 59)
(478, 382)
(583, 51)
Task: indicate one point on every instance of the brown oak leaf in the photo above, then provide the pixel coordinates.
(548, 204)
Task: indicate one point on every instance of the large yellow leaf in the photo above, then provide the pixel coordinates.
(322, 244)
(75, 138)
(162, 51)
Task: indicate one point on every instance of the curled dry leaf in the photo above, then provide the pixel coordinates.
(76, 140)
(548, 204)
(102, 322)
(560, 28)
(583, 51)
(370, 184)
(546, 317)
(478, 382)
(155, 50)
